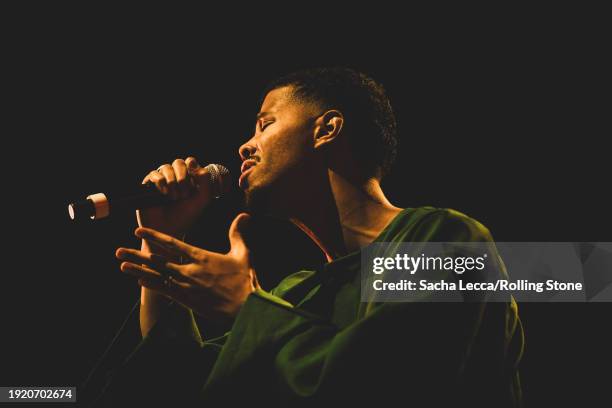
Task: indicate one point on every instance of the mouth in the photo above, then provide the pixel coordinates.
(246, 168)
(247, 164)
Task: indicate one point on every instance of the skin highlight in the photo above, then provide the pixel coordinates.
(298, 165)
(307, 173)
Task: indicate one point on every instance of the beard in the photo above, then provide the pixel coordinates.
(269, 199)
(257, 200)
(273, 196)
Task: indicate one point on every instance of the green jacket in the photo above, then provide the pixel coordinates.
(311, 341)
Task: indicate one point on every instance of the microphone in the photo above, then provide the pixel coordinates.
(100, 205)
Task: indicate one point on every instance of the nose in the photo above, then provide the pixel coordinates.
(246, 150)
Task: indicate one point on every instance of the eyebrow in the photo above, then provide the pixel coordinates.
(261, 114)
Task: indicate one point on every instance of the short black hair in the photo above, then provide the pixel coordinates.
(369, 118)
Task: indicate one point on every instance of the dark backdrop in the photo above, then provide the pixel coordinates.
(506, 128)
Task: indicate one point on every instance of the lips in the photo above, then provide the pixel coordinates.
(246, 168)
(247, 164)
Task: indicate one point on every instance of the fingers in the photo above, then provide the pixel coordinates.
(200, 176)
(154, 261)
(192, 164)
(158, 179)
(176, 179)
(153, 272)
(140, 271)
(167, 171)
(171, 244)
(152, 277)
(182, 178)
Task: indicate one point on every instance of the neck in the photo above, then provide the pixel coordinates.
(344, 216)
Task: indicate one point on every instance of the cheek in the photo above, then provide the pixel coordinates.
(287, 150)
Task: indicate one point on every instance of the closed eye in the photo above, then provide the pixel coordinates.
(264, 124)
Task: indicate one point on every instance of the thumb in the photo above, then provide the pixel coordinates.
(236, 234)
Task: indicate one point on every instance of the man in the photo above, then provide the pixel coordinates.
(323, 140)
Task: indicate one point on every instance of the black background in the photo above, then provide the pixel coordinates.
(504, 125)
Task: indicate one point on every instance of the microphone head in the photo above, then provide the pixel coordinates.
(218, 179)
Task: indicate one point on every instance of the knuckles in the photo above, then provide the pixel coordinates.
(177, 163)
(201, 258)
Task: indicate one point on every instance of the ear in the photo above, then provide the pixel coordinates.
(327, 127)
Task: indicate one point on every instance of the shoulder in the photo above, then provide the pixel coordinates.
(446, 225)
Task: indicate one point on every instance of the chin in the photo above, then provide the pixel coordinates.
(266, 199)
(257, 199)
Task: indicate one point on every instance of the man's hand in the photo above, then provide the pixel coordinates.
(187, 183)
(211, 284)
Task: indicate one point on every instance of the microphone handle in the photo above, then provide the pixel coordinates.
(145, 197)
(100, 205)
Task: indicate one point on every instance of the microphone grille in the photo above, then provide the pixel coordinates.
(217, 175)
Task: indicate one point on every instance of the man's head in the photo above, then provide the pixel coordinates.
(311, 121)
